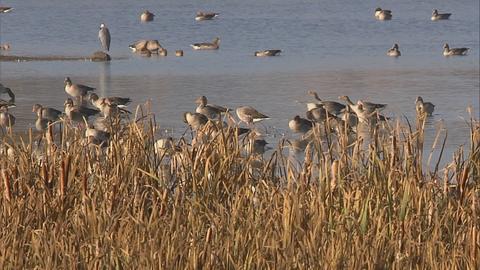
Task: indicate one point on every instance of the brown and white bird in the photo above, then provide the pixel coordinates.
(424, 108)
(250, 115)
(77, 90)
(394, 51)
(383, 14)
(214, 45)
(447, 51)
(6, 119)
(440, 16)
(50, 114)
(97, 101)
(204, 16)
(195, 120)
(97, 137)
(78, 113)
(211, 111)
(300, 125)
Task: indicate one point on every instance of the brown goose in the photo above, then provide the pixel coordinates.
(76, 90)
(300, 125)
(440, 16)
(250, 115)
(146, 16)
(332, 107)
(203, 16)
(50, 114)
(447, 51)
(214, 45)
(268, 53)
(195, 120)
(211, 111)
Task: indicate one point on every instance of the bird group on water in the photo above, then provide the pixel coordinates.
(83, 104)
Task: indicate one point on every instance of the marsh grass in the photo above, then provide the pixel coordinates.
(210, 204)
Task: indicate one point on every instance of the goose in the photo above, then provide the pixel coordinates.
(268, 53)
(424, 107)
(394, 51)
(195, 120)
(97, 137)
(250, 115)
(6, 119)
(147, 16)
(5, 46)
(104, 36)
(41, 124)
(150, 45)
(349, 118)
(5, 9)
(109, 109)
(437, 16)
(257, 146)
(371, 107)
(383, 14)
(7, 103)
(47, 113)
(300, 125)
(77, 90)
(203, 16)
(8, 91)
(214, 45)
(332, 107)
(454, 51)
(78, 113)
(319, 115)
(211, 111)
(121, 102)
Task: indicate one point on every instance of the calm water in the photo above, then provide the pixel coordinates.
(335, 47)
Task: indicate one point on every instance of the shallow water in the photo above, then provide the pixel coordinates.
(334, 47)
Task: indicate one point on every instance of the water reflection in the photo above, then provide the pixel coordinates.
(104, 79)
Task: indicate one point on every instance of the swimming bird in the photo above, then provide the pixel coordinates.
(214, 45)
(394, 51)
(47, 113)
(203, 16)
(76, 90)
(454, 51)
(195, 120)
(250, 115)
(5, 46)
(383, 14)
(104, 36)
(300, 125)
(6, 119)
(147, 16)
(78, 113)
(6, 90)
(119, 101)
(424, 107)
(319, 115)
(332, 107)
(268, 53)
(211, 111)
(5, 9)
(438, 16)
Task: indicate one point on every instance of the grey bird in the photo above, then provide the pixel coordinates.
(47, 113)
(332, 107)
(203, 16)
(109, 109)
(319, 115)
(211, 111)
(146, 16)
(257, 146)
(394, 51)
(383, 14)
(371, 107)
(78, 113)
(195, 120)
(119, 101)
(6, 90)
(447, 51)
(76, 90)
(424, 107)
(104, 36)
(300, 125)
(250, 115)
(440, 16)
(6, 119)
(214, 45)
(268, 53)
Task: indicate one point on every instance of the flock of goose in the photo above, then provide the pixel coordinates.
(77, 110)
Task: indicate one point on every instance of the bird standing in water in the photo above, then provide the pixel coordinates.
(104, 36)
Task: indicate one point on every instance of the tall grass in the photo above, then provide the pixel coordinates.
(209, 204)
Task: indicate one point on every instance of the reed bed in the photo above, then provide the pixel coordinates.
(210, 203)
